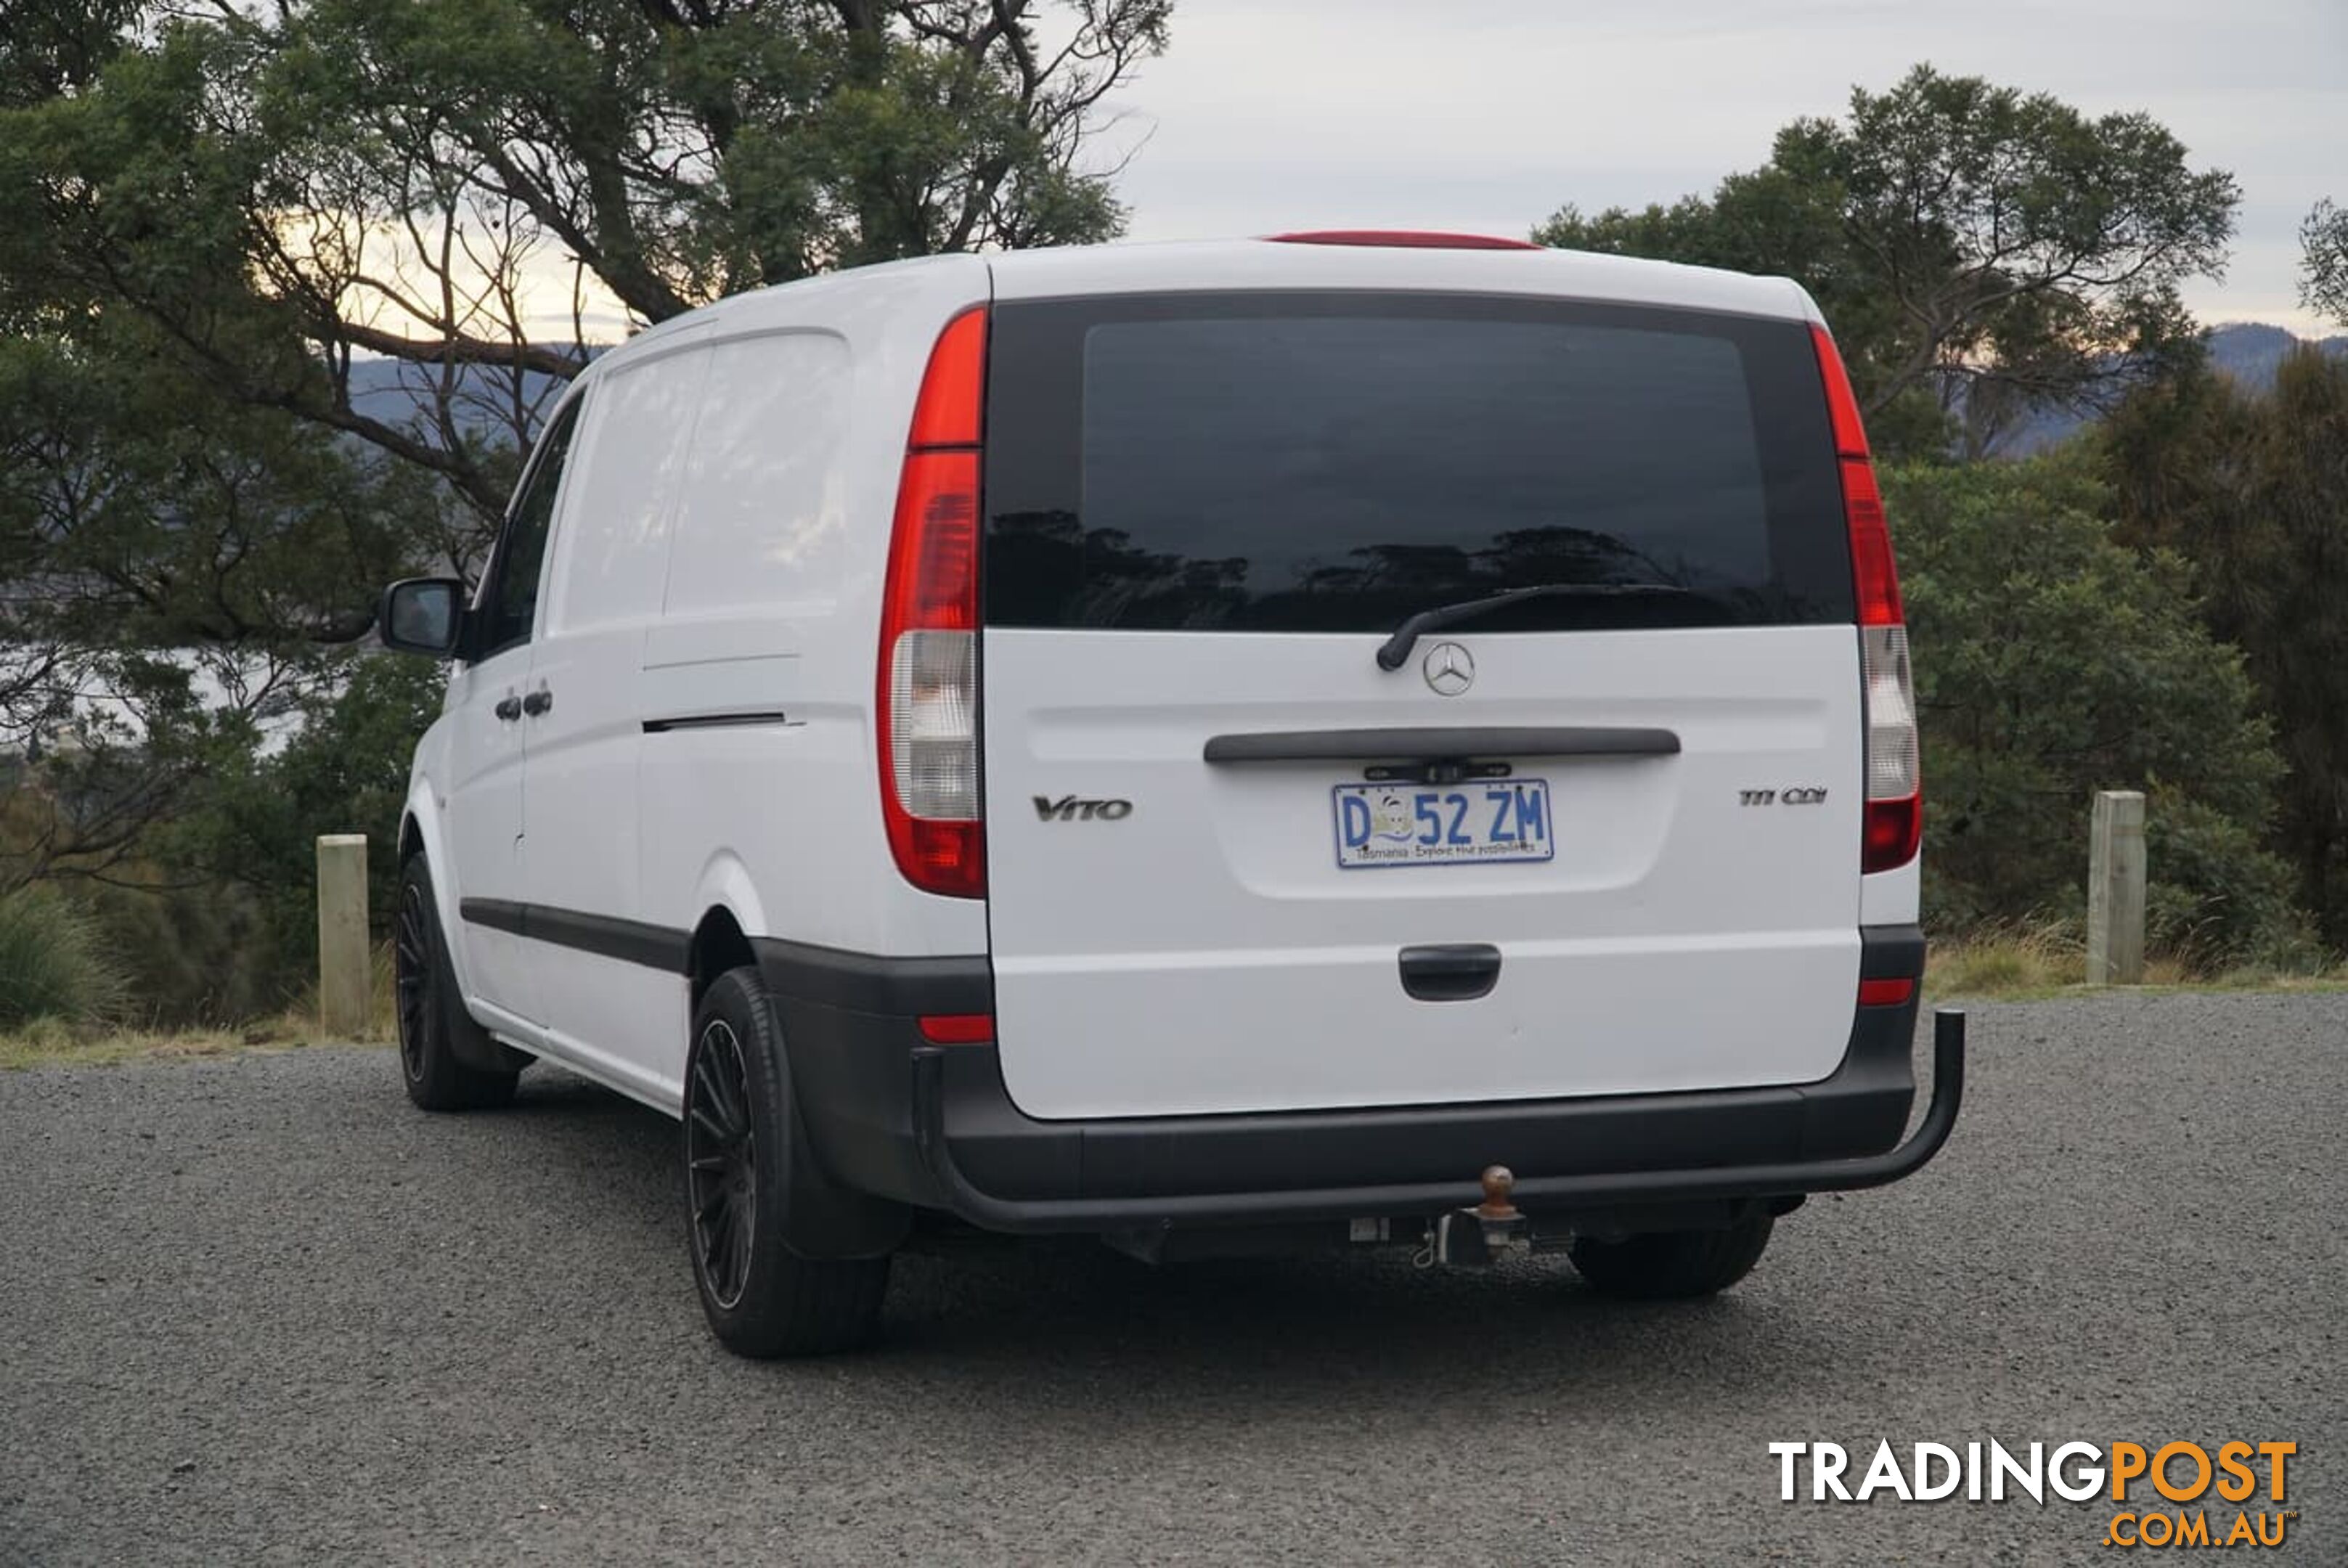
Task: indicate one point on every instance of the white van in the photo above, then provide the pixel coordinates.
(1220, 746)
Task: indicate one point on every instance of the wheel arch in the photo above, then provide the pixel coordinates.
(731, 913)
(718, 944)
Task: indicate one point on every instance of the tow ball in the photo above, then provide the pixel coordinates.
(1472, 1237)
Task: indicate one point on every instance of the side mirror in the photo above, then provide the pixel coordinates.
(422, 615)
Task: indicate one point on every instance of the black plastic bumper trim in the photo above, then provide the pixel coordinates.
(1590, 1189)
(869, 983)
(1892, 953)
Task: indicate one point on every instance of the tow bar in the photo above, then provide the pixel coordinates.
(1472, 1237)
(1469, 1238)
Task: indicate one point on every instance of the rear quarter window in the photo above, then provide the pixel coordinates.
(1335, 462)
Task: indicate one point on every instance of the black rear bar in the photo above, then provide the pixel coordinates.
(1533, 1191)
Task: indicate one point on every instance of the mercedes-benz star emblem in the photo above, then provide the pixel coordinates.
(1449, 669)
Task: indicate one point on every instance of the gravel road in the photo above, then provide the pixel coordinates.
(258, 1311)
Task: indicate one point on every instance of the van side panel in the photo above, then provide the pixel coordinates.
(758, 761)
(762, 525)
(608, 555)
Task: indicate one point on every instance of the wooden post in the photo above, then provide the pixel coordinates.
(2115, 889)
(345, 963)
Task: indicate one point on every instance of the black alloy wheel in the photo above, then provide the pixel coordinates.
(418, 999)
(746, 1228)
(444, 1054)
(722, 1163)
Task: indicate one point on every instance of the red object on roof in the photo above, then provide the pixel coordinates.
(1408, 239)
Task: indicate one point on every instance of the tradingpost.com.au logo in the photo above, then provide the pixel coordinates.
(2168, 1494)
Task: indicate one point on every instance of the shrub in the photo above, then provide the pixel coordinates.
(193, 957)
(52, 962)
(2052, 661)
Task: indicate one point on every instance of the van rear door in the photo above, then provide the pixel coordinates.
(1597, 840)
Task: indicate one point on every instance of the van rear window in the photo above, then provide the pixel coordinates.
(1334, 461)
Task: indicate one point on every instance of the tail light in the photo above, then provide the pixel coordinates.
(1894, 822)
(929, 628)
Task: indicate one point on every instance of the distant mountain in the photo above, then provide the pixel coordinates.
(396, 392)
(2250, 352)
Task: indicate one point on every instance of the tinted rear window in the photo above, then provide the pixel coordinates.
(1334, 461)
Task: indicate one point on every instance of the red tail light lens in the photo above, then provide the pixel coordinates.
(1894, 832)
(954, 388)
(1872, 573)
(1870, 547)
(933, 565)
(1885, 993)
(928, 702)
(957, 1028)
(1894, 822)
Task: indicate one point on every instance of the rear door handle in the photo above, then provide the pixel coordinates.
(1450, 971)
(509, 708)
(538, 702)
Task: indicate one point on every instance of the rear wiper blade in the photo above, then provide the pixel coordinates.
(1396, 648)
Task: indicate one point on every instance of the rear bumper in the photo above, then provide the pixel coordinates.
(896, 1117)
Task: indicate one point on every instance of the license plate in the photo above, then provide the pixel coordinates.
(1489, 821)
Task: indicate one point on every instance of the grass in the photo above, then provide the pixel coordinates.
(55, 1042)
(47, 1042)
(2023, 961)
(51, 962)
(2033, 963)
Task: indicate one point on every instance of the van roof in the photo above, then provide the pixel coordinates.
(1192, 265)
(1266, 263)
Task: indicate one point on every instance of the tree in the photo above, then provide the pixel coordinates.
(2324, 261)
(2052, 662)
(175, 572)
(1979, 251)
(285, 290)
(343, 769)
(453, 185)
(2253, 489)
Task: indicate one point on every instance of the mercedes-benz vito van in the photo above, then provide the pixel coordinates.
(1340, 739)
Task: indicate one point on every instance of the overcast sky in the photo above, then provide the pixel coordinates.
(1487, 114)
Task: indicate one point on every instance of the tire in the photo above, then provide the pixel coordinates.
(1673, 1266)
(762, 1300)
(432, 1016)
